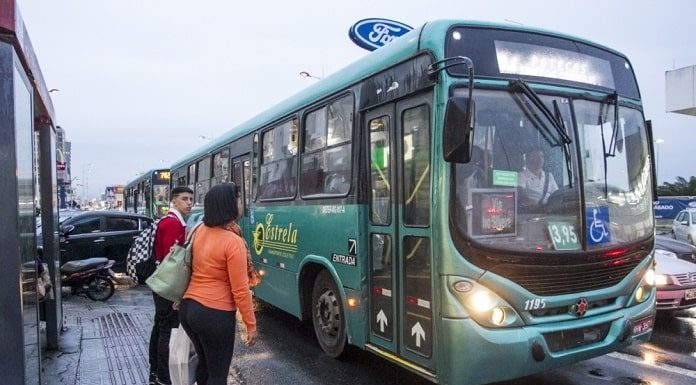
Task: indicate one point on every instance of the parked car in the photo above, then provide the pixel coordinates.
(683, 250)
(106, 234)
(684, 226)
(675, 278)
(63, 215)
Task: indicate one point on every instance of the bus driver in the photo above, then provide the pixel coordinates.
(535, 183)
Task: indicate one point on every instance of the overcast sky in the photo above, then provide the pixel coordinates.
(140, 81)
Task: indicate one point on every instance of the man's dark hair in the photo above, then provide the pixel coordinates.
(220, 205)
(176, 191)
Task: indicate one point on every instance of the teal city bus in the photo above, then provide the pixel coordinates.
(393, 204)
(148, 193)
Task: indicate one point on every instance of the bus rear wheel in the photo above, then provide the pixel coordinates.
(328, 316)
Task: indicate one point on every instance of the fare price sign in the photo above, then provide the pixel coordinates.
(564, 236)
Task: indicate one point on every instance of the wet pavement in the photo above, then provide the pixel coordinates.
(107, 343)
(102, 342)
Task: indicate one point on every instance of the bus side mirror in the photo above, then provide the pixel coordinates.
(651, 152)
(459, 122)
(67, 229)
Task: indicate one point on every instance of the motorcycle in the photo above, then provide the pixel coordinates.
(92, 276)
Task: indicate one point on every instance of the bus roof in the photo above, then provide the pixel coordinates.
(426, 38)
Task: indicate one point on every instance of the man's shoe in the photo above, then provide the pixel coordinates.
(153, 379)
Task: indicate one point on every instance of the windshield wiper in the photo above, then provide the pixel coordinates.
(534, 98)
(614, 100)
(611, 150)
(566, 150)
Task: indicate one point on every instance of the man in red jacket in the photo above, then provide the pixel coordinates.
(171, 229)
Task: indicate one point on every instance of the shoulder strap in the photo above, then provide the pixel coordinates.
(189, 237)
(546, 186)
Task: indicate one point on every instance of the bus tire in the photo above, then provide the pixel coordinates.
(328, 316)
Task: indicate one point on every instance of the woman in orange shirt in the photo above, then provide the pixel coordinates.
(219, 287)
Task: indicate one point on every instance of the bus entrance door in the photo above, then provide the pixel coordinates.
(398, 138)
(241, 176)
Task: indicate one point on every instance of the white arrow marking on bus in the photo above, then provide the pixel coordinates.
(382, 320)
(418, 331)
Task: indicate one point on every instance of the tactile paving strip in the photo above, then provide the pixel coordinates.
(115, 349)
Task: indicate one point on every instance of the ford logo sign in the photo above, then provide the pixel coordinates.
(375, 33)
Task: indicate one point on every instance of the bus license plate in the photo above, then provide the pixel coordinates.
(643, 325)
(690, 294)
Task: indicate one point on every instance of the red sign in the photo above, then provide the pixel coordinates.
(60, 166)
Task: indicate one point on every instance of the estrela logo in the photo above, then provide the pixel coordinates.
(279, 240)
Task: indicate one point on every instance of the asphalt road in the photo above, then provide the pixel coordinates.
(287, 353)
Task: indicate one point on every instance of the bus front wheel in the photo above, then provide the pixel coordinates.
(328, 315)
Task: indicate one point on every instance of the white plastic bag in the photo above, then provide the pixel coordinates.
(182, 358)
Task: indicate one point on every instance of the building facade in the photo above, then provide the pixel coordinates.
(28, 172)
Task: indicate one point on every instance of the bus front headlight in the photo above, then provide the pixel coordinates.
(649, 277)
(647, 283)
(498, 316)
(481, 301)
(483, 305)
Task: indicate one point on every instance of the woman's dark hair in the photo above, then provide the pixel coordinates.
(220, 205)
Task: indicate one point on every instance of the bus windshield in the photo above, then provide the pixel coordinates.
(161, 199)
(521, 190)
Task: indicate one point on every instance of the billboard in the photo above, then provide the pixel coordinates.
(669, 207)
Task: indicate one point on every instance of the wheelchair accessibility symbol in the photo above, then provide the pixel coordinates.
(597, 219)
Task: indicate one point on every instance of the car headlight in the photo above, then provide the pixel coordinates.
(665, 253)
(662, 279)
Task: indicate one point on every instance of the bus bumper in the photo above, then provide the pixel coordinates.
(482, 355)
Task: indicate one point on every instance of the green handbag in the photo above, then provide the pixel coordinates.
(171, 278)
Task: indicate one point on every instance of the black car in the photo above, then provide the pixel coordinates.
(683, 250)
(100, 234)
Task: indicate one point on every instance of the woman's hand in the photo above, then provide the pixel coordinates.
(175, 305)
(251, 338)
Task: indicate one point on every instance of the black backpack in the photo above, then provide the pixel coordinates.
(140, 261)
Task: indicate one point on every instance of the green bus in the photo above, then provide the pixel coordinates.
(389, 203)
(148, 193)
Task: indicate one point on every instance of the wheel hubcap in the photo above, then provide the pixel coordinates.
(100, 286)
(327, 313)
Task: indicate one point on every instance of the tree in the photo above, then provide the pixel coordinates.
(680, 187)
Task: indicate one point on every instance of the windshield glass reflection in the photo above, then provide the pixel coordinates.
(520, 190)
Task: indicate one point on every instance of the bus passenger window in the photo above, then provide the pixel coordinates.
(326, 159)
(278, 171)
(221, 167)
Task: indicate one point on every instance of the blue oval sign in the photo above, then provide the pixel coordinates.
(375, 33)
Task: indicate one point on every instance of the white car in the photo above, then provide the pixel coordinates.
(684, 226)
(675, 280)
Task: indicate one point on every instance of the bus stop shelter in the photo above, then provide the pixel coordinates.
(28, 175)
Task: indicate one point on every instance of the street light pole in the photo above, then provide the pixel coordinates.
(85, 187)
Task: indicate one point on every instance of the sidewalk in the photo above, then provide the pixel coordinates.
(103, 342)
